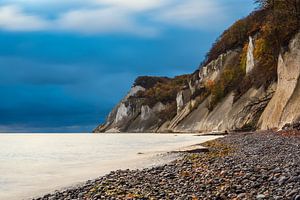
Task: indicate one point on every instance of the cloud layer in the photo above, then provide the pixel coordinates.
(13, 18)
(65, 63)
(139, 17)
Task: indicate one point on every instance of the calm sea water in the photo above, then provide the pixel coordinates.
(36, 164)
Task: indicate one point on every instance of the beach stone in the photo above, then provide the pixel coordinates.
(51, 198)
(282, 180)
(260, 196)
(297, 197)
(293, 192)
(259, 166)
(241, 196)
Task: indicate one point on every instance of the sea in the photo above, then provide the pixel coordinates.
(32, 165)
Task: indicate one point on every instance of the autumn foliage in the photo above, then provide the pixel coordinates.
(272, 26)
(164, 92)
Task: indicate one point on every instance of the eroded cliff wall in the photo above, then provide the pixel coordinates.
(284, 106)
(227, 93)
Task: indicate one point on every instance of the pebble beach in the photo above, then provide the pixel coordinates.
(258, 165)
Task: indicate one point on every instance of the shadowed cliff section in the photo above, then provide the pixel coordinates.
(248, 80)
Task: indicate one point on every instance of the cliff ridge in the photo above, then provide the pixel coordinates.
(248, 81)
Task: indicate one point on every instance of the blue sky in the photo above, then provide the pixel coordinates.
(65, 63)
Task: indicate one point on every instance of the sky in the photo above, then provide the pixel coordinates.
(64, 64)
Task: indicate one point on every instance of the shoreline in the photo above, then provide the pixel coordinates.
(255, 165)
(63, 161)
(146, 157)
(160, 159)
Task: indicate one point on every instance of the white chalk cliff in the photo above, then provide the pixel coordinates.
(284, 106)
(260, 107)
(250, 56)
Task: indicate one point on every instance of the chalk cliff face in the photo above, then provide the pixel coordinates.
(237, 90)
(131, 115)
(250, 57)
(284, 107)
(227, 114)
(262, 108)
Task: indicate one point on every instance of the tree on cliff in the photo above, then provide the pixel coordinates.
(289, 8)
(264, 3)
